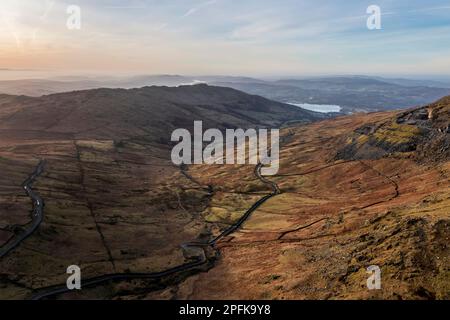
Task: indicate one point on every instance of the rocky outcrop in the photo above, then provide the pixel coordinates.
(425, 130)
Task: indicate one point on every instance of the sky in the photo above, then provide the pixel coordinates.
(248, 37)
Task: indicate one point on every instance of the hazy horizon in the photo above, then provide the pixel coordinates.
(12, 75)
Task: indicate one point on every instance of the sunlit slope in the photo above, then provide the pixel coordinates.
(357, 191)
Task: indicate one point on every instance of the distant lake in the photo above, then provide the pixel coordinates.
(324, 108)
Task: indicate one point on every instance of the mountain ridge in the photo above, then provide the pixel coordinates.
(352, 93)
(143, 108)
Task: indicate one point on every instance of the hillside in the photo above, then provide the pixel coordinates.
(355, 191)
(422, 133)
(152, 111)
(114, 201)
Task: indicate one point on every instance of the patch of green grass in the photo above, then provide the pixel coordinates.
(397, 133)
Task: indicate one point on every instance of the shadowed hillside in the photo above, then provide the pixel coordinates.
(151, 111)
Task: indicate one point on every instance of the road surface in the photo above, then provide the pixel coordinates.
(37, 214)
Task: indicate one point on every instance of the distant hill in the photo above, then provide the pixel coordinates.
(416, 83)
(150, 111)
(40, 87)
(352, 93)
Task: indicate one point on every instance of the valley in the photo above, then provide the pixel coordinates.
(353, 191)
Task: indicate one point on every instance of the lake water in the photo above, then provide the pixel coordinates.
(324, 108)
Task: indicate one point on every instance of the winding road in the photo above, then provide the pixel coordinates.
(199, 261)
(37, 214)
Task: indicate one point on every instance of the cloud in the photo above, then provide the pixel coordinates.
(430, 9)
(194, 10)
(190, 12)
